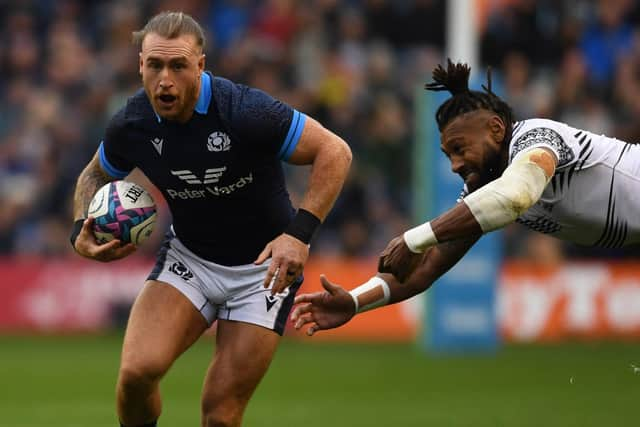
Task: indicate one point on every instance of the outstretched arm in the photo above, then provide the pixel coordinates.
(90, 180)
(330, 159)
(489, 208)
(335, 306)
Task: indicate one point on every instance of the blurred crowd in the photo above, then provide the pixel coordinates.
(355, 65)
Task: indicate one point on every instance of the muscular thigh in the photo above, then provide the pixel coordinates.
(243, 354)
(162, 325)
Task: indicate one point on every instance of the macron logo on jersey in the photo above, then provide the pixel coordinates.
(271, 300)
(157, 144)
(211, 176)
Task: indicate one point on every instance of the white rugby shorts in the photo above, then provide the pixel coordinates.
(222, 292)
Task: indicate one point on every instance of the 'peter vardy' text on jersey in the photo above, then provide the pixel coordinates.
(220, 172)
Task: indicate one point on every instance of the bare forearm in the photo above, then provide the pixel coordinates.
(90, 180)
(455, 224)
(330, 158)
(328, 173)
(437, 261)
(491, 207)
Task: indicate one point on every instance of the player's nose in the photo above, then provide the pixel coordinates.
(457, 165)
(165, 81)
(165, 89)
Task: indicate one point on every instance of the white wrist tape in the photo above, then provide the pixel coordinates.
(502, 201)
(420, 238)
(372, 294)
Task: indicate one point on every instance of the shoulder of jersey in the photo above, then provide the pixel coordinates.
(524, 126)
(225, 91)
(223, 85)
(530, 132)
(226, 98)
(138, 107)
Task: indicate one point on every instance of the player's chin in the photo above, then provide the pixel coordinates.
(473, 181)
(167, 113)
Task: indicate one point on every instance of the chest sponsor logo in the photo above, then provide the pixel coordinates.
(215, 190)
(157, 144)
(218, 141)
(211, 176)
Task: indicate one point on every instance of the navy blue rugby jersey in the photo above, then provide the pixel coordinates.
(220, 172)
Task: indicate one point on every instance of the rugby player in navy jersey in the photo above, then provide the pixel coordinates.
(236, 249)
(555, 179)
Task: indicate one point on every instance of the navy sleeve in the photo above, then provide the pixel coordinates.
(111, 152)
(264, 120)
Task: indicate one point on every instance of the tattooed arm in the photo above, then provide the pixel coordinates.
(90, 180)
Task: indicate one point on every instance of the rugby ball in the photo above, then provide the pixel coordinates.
(124, 211)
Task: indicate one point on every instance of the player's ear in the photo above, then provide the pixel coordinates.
(141, 63)
(201, 63)
(497, 128)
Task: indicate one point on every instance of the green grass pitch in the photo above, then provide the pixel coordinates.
(69, 382)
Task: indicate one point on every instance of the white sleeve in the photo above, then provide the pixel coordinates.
(501, 201)
(545, 136)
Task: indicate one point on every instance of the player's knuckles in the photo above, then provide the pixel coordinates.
(293, 270)
(295, 261)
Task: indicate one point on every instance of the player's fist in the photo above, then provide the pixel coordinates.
(397, 259)
(85, 244)
(288, 257)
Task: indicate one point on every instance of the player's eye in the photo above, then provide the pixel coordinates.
(178, 66)
(154, 65)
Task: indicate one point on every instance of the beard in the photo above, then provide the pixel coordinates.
(183, 107)
(490, 170)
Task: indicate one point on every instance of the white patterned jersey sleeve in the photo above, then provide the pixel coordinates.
(555, 136)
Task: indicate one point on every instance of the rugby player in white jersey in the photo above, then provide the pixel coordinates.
(555, 179)
(237, 248)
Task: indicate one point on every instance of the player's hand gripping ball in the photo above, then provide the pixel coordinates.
(124, 211)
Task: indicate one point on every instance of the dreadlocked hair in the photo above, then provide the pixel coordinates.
(455, 79)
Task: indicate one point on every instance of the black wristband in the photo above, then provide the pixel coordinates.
(77, 227)
(303, 226)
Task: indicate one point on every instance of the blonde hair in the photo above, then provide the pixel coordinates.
(171, 25)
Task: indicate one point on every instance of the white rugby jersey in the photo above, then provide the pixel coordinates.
(593, 198)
